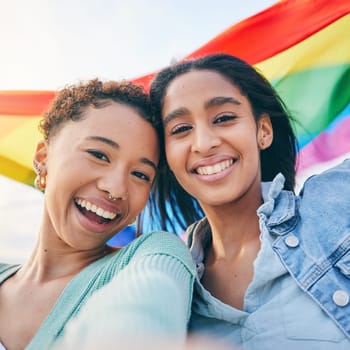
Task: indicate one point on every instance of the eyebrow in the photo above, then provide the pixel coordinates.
(174, 114)
(221, 100)
(104, 140)
(148, 162)
(116, 146)
(213, 102)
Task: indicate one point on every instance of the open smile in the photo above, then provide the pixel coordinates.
(95, 213)
(215, 168)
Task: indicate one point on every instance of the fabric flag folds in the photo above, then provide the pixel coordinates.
(19, 119)
(301, 46)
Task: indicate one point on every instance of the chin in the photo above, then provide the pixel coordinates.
(210, 202)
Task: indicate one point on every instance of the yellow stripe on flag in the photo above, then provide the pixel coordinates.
(18, 146)
(330, 46)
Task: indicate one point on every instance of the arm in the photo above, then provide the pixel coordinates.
(149, 299)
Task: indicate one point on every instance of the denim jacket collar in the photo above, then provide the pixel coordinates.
(278, 212)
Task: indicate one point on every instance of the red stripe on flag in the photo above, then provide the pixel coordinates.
(275, 29)
(25, 103)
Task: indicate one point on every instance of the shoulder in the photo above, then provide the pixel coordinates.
(337, 177)
(324, 211)
(330, 186)
(6, 270)
(160, 243)
(6, 267)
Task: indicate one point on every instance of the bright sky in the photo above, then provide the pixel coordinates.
(46, 44)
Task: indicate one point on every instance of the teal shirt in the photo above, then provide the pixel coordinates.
(145, 289)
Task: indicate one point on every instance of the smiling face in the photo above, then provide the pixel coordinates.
(111, 151)
(212, 139)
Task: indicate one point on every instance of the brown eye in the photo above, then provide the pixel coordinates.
(141, 175)
(98, 155)
(224, 118)
(180, 129)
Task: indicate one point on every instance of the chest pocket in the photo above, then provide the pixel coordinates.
(303, 318)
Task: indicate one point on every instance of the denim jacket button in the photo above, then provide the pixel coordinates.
(292, 241)
(341, 298)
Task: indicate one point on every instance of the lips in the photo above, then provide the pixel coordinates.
(95, 213)
(214, 168)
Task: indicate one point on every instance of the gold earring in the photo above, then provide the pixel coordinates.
(40, 182)
(37, 181)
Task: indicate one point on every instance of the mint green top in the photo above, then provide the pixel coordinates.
(145, 289)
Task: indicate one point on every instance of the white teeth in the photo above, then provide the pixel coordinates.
(214, 169)
(99, 211)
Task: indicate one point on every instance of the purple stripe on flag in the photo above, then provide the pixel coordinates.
(331, 143)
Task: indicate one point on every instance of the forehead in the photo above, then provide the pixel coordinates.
(115, 121)
(197, 86)
(115, 115)
(199, 82)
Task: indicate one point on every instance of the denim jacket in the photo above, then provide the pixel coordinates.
(313, 239)
(308, 235)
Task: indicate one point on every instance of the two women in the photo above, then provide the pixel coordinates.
(273, 267)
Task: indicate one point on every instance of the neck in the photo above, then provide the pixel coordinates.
(234, 227)
(55, 261)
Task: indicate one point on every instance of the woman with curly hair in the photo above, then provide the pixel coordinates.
(96, 165)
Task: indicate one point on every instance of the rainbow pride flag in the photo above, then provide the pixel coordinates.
(301, 46)
(20, 112)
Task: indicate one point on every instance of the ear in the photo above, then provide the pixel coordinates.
(265, 132)
(40, 157)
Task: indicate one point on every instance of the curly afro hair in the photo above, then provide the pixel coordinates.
(71, 102)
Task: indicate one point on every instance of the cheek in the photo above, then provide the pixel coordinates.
(243, 141)
(139, 200)
(174, 153)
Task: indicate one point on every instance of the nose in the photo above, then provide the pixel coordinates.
(204, 139)
(115, 184)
